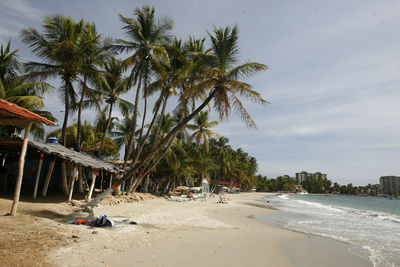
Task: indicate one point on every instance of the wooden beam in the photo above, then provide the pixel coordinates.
(94, 174)
(48, 177)
(38, 175)
(21, 164)
(73, 176)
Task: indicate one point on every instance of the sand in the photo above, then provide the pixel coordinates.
(192, 233)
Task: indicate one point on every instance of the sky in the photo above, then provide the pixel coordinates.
(333, 81)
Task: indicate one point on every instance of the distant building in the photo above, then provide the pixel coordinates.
(302, 176)
(390, 185)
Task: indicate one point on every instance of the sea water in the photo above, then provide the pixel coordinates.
(371, 224)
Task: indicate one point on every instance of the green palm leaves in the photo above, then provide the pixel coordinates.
(16, 89)
(224, 76)
(61, 46)
(201, 129)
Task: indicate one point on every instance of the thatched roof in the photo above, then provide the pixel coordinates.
(56, 150)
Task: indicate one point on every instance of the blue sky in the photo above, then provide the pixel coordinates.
(333, 81)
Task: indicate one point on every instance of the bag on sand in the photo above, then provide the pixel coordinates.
(103, 221)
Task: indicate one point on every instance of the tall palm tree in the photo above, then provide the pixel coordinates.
(222, 79)
(114, 84)
(146, 36)
(61, 46)
(201, 129)
(97, 52)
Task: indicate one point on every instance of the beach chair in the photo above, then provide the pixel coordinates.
(203, 197)
(222, 199)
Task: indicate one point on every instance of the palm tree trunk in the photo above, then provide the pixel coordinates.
(144, 113)
(68, 85)
(139, 151)
(146, 161)
(105, 131)
(132, 139)
(79, 127)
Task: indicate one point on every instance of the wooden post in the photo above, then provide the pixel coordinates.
(64, 181)
(21, 164)
(48, 177)
(111, 178)
(73, 176)
(117, 190)
(102, 179)
(38, 175)
(80, 180)
(94, 174)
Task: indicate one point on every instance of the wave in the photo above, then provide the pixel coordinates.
(375, 232)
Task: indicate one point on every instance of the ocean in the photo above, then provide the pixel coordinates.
(370, 224)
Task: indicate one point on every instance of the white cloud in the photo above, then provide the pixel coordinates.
(22, 9)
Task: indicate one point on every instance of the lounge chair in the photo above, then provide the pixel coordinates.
(222, 198)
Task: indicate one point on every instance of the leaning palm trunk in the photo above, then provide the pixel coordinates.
(105, 131)
(144, 114)
(140, 149)
(146, 161)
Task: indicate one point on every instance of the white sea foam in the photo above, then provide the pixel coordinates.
(375, 231)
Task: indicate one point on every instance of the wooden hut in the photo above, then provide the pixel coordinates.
(14, 115)
(55, 152)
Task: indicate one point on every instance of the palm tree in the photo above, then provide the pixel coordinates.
(201, 128)
(146, 38)
(14, 87)
(61, 46)
(222, 80)
(94, 57)
(90, 139)
(114, 84)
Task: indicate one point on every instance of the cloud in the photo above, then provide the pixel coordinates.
(22, 9)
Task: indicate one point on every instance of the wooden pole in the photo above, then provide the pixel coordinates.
(73, 176)
(80, 180)
(21, 164)
(94, 174)
(64, 181)
(38, 175)
(102, 179)
(111, 178)
(48, 177)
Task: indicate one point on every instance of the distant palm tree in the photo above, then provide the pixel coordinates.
(61, 46)
(114, 84)
(201, 129)
(90, 139)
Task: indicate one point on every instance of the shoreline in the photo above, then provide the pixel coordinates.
(198, 233)
(167, 234)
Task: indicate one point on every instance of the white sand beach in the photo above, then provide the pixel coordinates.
(191, 233)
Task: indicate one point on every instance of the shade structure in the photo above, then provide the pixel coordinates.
(14, 115)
